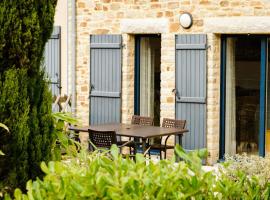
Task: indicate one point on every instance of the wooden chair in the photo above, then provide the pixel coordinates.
(157, 143)
(103, 139)
(140, 120)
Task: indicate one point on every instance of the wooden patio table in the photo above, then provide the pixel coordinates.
(134, 130)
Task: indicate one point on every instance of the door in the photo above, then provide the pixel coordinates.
(105, 78)
(190, 91)
(147, 76)
(243, 95)
(52, 59)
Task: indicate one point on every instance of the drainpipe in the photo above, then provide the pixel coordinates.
(73, 55)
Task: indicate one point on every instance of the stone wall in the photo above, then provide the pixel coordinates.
(108, 17)
(128, 78)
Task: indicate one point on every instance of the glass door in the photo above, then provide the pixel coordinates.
(147, 76)
(243, 95)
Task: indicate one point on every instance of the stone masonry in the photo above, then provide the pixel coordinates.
(108, 17)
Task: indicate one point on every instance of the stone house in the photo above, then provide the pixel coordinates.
(137, 57)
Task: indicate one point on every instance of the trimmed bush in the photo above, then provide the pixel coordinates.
(25, 100)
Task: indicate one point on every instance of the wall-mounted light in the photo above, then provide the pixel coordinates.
(185, 20)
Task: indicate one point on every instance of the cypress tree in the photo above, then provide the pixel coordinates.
(25, 100)
(14, 109)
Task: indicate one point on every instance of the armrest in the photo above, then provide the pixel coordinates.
(166, 141)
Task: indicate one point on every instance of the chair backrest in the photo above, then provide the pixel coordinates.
(176, 123)
(141, 120)
(102, 139)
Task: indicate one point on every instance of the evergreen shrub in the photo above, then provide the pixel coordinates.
(25, 100)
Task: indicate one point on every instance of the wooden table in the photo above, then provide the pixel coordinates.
(134, 130)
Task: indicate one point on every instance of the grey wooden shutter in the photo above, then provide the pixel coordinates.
(191, 88)
(105, 78)
(52, 59)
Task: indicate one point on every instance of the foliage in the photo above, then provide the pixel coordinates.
(25, 28)
(14, 113)
(25, 100)
(65, 139)
(41, 125)
(109, 176)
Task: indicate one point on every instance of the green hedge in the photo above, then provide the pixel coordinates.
(109, 176)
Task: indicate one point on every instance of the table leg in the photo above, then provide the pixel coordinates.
(137, 144)
(179, 138)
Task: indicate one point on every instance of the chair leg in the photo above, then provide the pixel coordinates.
(160, 154)
(165, 154)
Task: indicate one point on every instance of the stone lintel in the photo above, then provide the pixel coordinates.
(144, 26)
(237, 25)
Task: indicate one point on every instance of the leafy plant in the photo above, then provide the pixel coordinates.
(107, 175)
(65, 139)
(99, 176)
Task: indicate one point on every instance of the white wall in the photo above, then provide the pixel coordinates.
(60, 19)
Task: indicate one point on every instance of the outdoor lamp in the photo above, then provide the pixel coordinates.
(185, 20)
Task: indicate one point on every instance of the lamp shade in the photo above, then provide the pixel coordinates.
(185, 20)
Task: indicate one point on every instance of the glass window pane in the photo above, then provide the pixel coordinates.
(242, 95)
